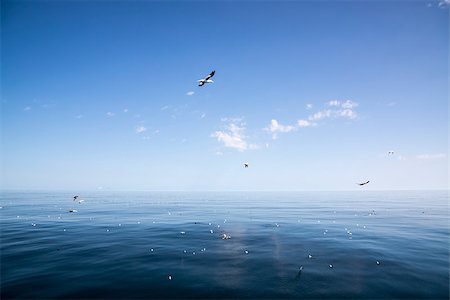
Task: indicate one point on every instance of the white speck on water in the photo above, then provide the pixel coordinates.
(246, 251)
(193, 253)
(120, 225)
(183, 232)
(364, 227)
(64, 229)
(139, 222)
(309, 256)
(107, 230)
(151, 250)
(209, 224)
(218, 226)
(170, 277)
(33, 224)
(331, 266)
(378, 262)
(184, 251)
(211, 231)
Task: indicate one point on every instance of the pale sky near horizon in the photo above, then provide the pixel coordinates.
(313, 94)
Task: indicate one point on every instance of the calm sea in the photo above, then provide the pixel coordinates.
(322, 245)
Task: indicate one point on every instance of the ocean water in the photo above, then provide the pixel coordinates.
(302, 245)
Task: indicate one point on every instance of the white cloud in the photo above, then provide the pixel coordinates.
(276, 128)
(140, 129)
(309, 106)
(190, 93)
(305, 123)
(203, 115)
(340, 109)
(125, 110)
(349, 104)
(347, 113)
(233, 135)
(110, 114)
(165, 107)
(431, 156)
(337, 109)
(28, 108)
(334, 103)
(320, 115)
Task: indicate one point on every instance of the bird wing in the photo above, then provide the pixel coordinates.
(210, 75)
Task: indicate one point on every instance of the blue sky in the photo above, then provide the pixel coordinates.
(103, 95)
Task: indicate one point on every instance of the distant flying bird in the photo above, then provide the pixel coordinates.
(207, 79)
(245, 165)
(81, 201)
(391, 152)
(363, 183)
(73, 210)
(75, 198)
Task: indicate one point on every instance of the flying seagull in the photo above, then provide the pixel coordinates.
(245, 165)
(363, 183)
(207, 79)
(75, 198)
(390, 152)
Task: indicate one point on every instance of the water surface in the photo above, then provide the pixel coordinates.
(127, 244)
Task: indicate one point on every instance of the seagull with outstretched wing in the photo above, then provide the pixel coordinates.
(363, 183)
(207, 79)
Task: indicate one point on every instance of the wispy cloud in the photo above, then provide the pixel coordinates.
(305, 123)
(140, 129)
(309, 106)
(125, 110)
(334, 109)
(334, 103)
(275, 128)
(444, 3)
(27, 108)
(110, 114)
(320, 115)
(338, 109)
(190, 93)
(431, 156)
(233, 135)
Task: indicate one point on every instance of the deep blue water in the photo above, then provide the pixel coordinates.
(126, 245)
